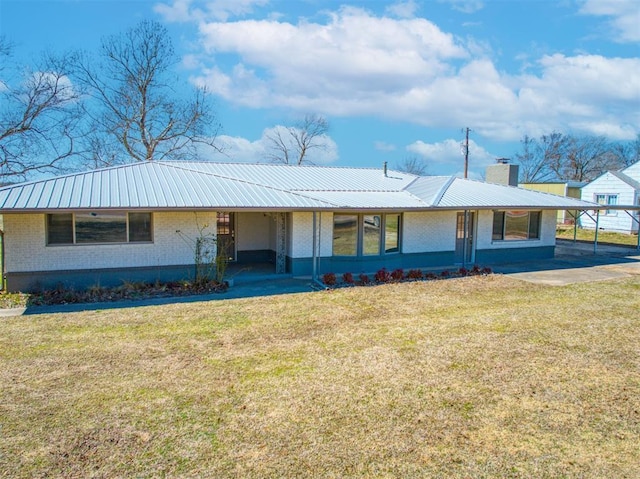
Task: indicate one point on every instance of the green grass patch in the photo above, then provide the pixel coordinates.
(470, 377)
(566, 232)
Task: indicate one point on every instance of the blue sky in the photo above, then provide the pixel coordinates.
(394, 79)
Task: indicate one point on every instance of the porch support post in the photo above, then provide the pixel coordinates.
(465, 249)
(281, 243)
(314, 254)
(595, 240)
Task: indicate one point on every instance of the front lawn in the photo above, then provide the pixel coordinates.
(474, 377)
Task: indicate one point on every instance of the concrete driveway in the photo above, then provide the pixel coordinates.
(577, 263)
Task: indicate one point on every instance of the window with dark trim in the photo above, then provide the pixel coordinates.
(98, 228)
(516, 225)
(366, 234)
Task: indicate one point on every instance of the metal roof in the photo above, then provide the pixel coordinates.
(627, 179)
(204, 185)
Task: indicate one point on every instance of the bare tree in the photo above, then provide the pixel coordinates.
(541, 159)
(626, 154)
(39, 118)
(291, 145)
(559, 157)
(137, 113)
(586, 159)
(413, 165)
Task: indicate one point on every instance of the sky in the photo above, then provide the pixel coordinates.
(395, 80)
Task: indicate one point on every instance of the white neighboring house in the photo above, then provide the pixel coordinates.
(618, 189)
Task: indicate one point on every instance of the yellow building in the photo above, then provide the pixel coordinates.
(570, 189)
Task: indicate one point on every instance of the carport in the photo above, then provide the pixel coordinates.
(632, 210)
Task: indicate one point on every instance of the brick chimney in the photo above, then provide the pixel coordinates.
(502, 172)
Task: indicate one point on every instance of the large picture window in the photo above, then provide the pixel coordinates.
(516, 225)
(365, 235)
(98, 228)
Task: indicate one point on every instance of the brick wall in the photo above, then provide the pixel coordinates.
(429, 232)
(26, 249)
(301, 244)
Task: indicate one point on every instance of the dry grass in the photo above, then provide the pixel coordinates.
(472, 377)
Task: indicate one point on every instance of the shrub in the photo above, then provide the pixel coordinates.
(415, 274)
(463, 272)
(445, 274)
(486, 270)
(348, 278)
(364, 279)
(431, 276)
(329, 279)
(397, 274)
(382, 276)
(475, 269)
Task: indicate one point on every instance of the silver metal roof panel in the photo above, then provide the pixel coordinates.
(184, 185)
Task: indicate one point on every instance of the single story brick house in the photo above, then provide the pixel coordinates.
(139, 222)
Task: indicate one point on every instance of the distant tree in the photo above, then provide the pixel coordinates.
(626, 154)
(413, 165)
(291, 145)
(559, 157)
(136, 112)
(39, 119)
(586, 159)
(540, 158)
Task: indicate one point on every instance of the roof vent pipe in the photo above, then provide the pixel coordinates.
(384, 168)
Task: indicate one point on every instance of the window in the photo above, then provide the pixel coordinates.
(371, 235)
(355, 235)
(60, 229)
(606, 199)
(98, 228)
(516, 225)
(345, 235)
(392, 234)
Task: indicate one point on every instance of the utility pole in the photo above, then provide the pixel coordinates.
(466, 152)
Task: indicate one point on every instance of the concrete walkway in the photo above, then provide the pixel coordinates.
(577, 263)
(573, 263)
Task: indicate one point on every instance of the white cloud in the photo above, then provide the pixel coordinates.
(624, 16)
(238, 149)
(358, 64)
(384, 146)
(450, 153)
(221, 10)
(406, 9)
(465, 6)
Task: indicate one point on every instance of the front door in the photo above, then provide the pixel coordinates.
(464, 237)
(226, 232)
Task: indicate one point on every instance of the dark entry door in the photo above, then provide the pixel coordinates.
(464, 237)
(227, 235)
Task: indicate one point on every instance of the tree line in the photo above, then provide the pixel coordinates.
(562, 157)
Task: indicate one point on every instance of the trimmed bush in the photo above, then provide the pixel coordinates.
(397, 274)
(382, 276)
(415, 274)
(347, 278)
(329, 279)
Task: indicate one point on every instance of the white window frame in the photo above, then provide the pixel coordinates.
(607, 201)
